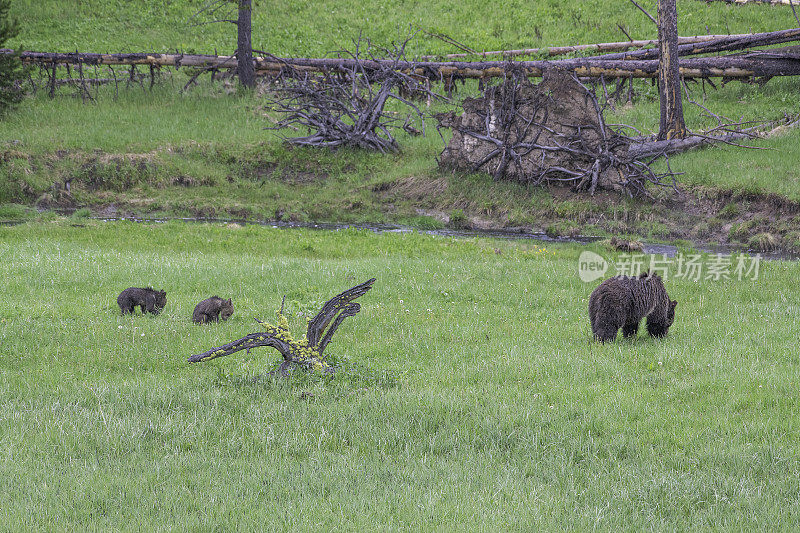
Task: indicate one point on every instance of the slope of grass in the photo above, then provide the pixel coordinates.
(473, 395)
(305, 28)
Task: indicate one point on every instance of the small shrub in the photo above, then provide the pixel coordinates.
(729, 211)
(424, 222)
(457, 218)
(743, 231)
(792, 240)
(763, 242)
(10, 66)
(82, 213)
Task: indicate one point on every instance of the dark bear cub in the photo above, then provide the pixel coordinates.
(622, 302)
(148, 299)
(210, 310)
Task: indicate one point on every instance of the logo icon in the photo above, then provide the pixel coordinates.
(591, 266)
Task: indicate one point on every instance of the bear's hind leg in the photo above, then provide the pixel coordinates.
(656, 329)
(604, 330)
(630, 329)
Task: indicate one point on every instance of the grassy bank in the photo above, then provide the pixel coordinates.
(205, 154)
(474, 394)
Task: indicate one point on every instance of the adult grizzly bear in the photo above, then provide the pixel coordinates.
(210, 309)
(622, 302)
(148, 299)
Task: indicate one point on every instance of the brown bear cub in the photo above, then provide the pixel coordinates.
(148, 299)
(622, 302)
(210, 310)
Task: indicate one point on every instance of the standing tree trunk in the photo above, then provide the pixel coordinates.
(671, 125)
(244, 52)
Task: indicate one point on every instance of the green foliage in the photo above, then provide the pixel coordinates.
(731, 210)
(15, 211)
(458, 219)
(763, 242)
(82, 213)
(11, 70)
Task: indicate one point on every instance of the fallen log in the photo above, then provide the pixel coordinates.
(731, 66)
(740, 66)
(722, 44)
(648, 149)
(86, 81)
(770, 2)
(135, 58)
(306, 352)
(598, 47)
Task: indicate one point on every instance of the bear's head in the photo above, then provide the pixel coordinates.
(671, 312)
(161, 300)
(226, 309)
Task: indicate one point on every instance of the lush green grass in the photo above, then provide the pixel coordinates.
(135, 120)
(772, 168)
(488, 405)
(305, 28)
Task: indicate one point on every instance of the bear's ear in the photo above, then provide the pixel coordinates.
(673, 304)
(229, 301)
(644, 275)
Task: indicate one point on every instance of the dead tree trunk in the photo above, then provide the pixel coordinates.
(758, 64)
(671, 125)
(306, 352)
(244, 51)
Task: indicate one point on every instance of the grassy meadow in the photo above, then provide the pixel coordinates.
(312, 29)
(470, 395)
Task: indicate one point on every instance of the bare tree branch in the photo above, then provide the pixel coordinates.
(307, 352)
(644, 11)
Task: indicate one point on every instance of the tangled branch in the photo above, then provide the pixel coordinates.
(551, 132)
(307, 352)
(347, 106)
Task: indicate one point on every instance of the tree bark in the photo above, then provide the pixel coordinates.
(766, 63)
(671, 125)
(595, 47)
(244, 52)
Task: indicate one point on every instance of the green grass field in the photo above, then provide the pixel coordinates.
(471, 396)
(306, 28)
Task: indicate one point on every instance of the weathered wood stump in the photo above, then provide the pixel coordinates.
(306, 352)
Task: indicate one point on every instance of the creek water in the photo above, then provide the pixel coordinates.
(668, 250)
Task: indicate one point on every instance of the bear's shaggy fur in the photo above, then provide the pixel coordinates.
(148, 299)
(210, 309)
(622, 302)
